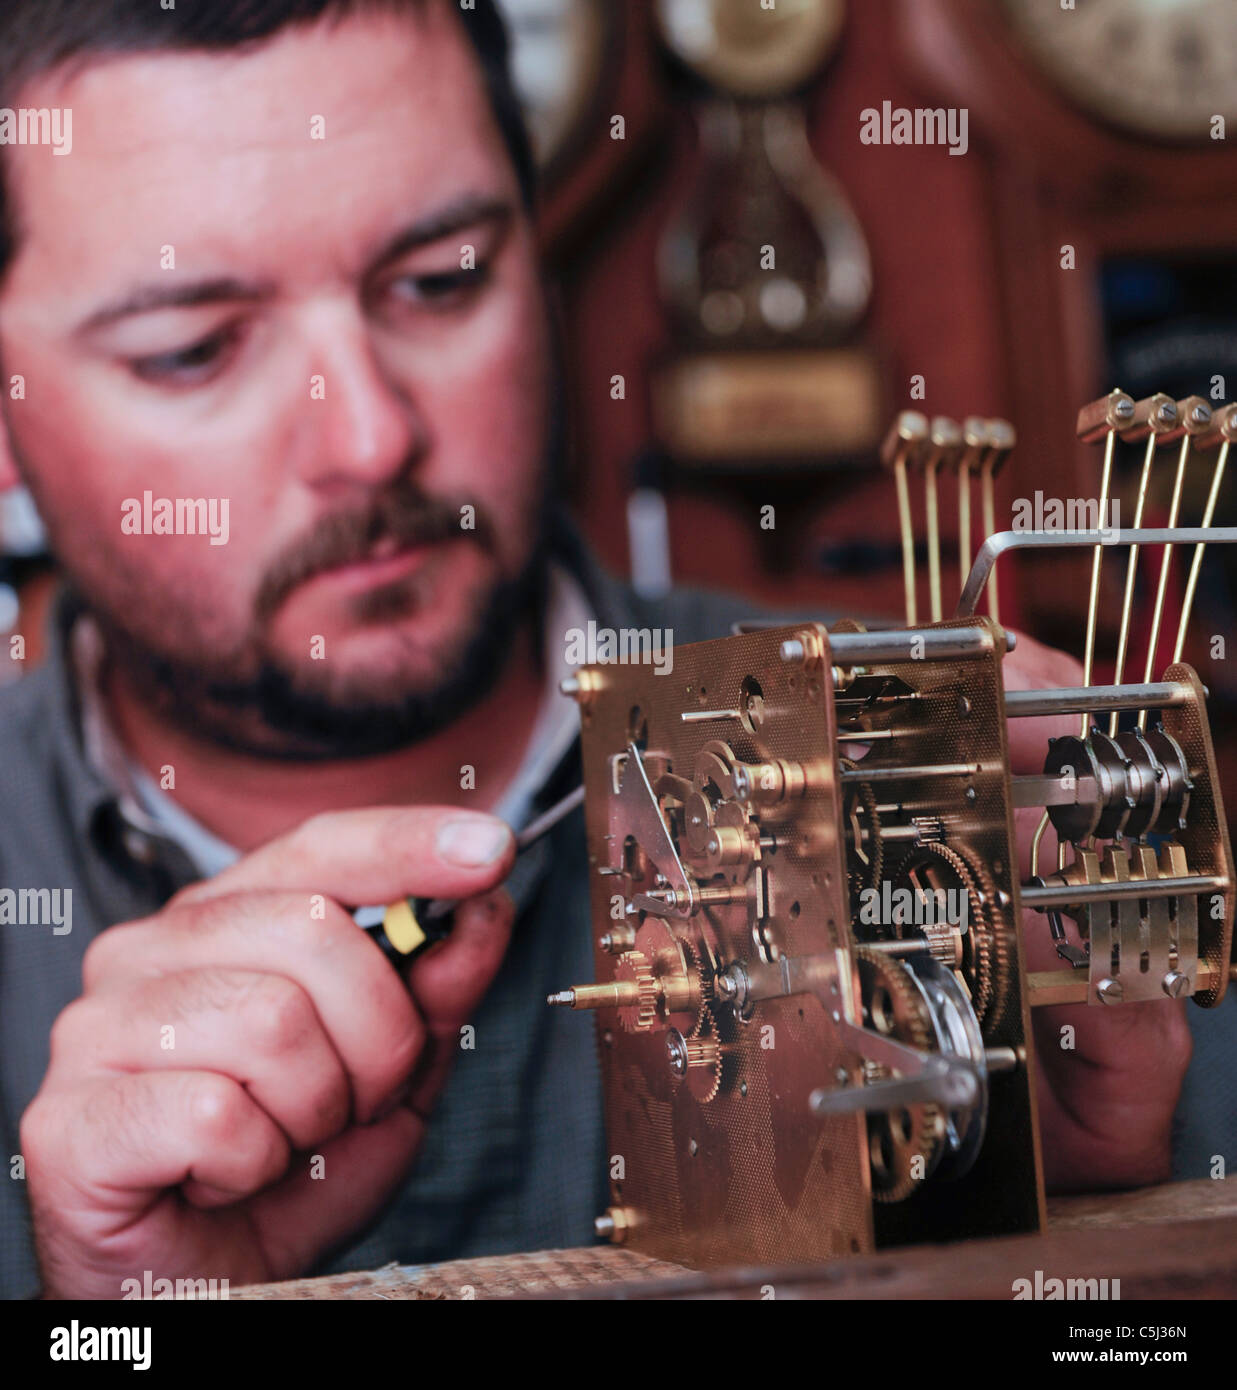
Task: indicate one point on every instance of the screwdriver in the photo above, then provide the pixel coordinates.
(413, 925)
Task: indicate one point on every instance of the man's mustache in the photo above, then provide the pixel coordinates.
(407, 516)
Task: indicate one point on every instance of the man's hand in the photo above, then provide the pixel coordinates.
(245, 1079)
(1106, 1103)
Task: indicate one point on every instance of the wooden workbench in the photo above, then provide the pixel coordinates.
(1175, 1241)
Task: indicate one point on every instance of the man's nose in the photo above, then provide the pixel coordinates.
(363, 424)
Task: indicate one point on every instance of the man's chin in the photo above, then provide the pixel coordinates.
(386, 663)
(331, 678)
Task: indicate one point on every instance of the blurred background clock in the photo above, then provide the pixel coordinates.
(1162, 68)
(748, 50)
(562, 52)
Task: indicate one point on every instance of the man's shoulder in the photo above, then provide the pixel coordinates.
(31, 770)
(691, 613)
(695, 614)
(27, 710)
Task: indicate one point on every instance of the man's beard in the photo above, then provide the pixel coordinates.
(272, 710)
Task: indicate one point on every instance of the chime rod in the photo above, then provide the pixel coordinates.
(906, 436)
(1226, 427)
(1156, 420)
(974, 440)
(944, 448)
(1195, 415)
(1117, 407)
(1001, 441)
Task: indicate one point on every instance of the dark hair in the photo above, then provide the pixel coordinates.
(39, 35)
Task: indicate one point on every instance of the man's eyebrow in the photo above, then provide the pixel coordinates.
(192, 295)
(455, 217)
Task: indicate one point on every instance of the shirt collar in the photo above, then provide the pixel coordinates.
(85, 790)
(558, 721)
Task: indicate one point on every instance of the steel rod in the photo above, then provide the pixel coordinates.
(928, 644)
(1070, 894)
(1004, 541)
(1071, 699)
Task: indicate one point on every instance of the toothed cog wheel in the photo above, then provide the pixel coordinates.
(704, 981)
(632, 967)
(987, 966)
(895, 1006)
(697, 1062)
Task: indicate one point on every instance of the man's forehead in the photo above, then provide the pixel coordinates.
(331, 126)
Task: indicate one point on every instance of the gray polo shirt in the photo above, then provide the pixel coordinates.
(514, 1158)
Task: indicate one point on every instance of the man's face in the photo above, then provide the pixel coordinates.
(316, 352)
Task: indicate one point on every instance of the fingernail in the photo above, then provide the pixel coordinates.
(473, 841)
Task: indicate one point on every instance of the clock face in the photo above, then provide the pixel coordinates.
(558, 56)
(1155, 67)
(750, 50)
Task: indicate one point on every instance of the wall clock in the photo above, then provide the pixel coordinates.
(561, 51)
(1160, 68)
(749, 50)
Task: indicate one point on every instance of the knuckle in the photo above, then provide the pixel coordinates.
(303, 846)
(97, 961)
(39, 1129)
(218, 1108)
(319, 933)
(312, 922)
(277, 1016)
(331, 924)
(74, 1024)
(113, 951)
(279, 917)
(188, 896)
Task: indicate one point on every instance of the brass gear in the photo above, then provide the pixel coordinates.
(671, 958)
(1000, 936)
(988, 974)
(633, 966)
(703, 1016)
(896, 1008)
(704, 1067)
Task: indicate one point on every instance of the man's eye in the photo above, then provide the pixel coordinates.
(188, 366)
(443, 289)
